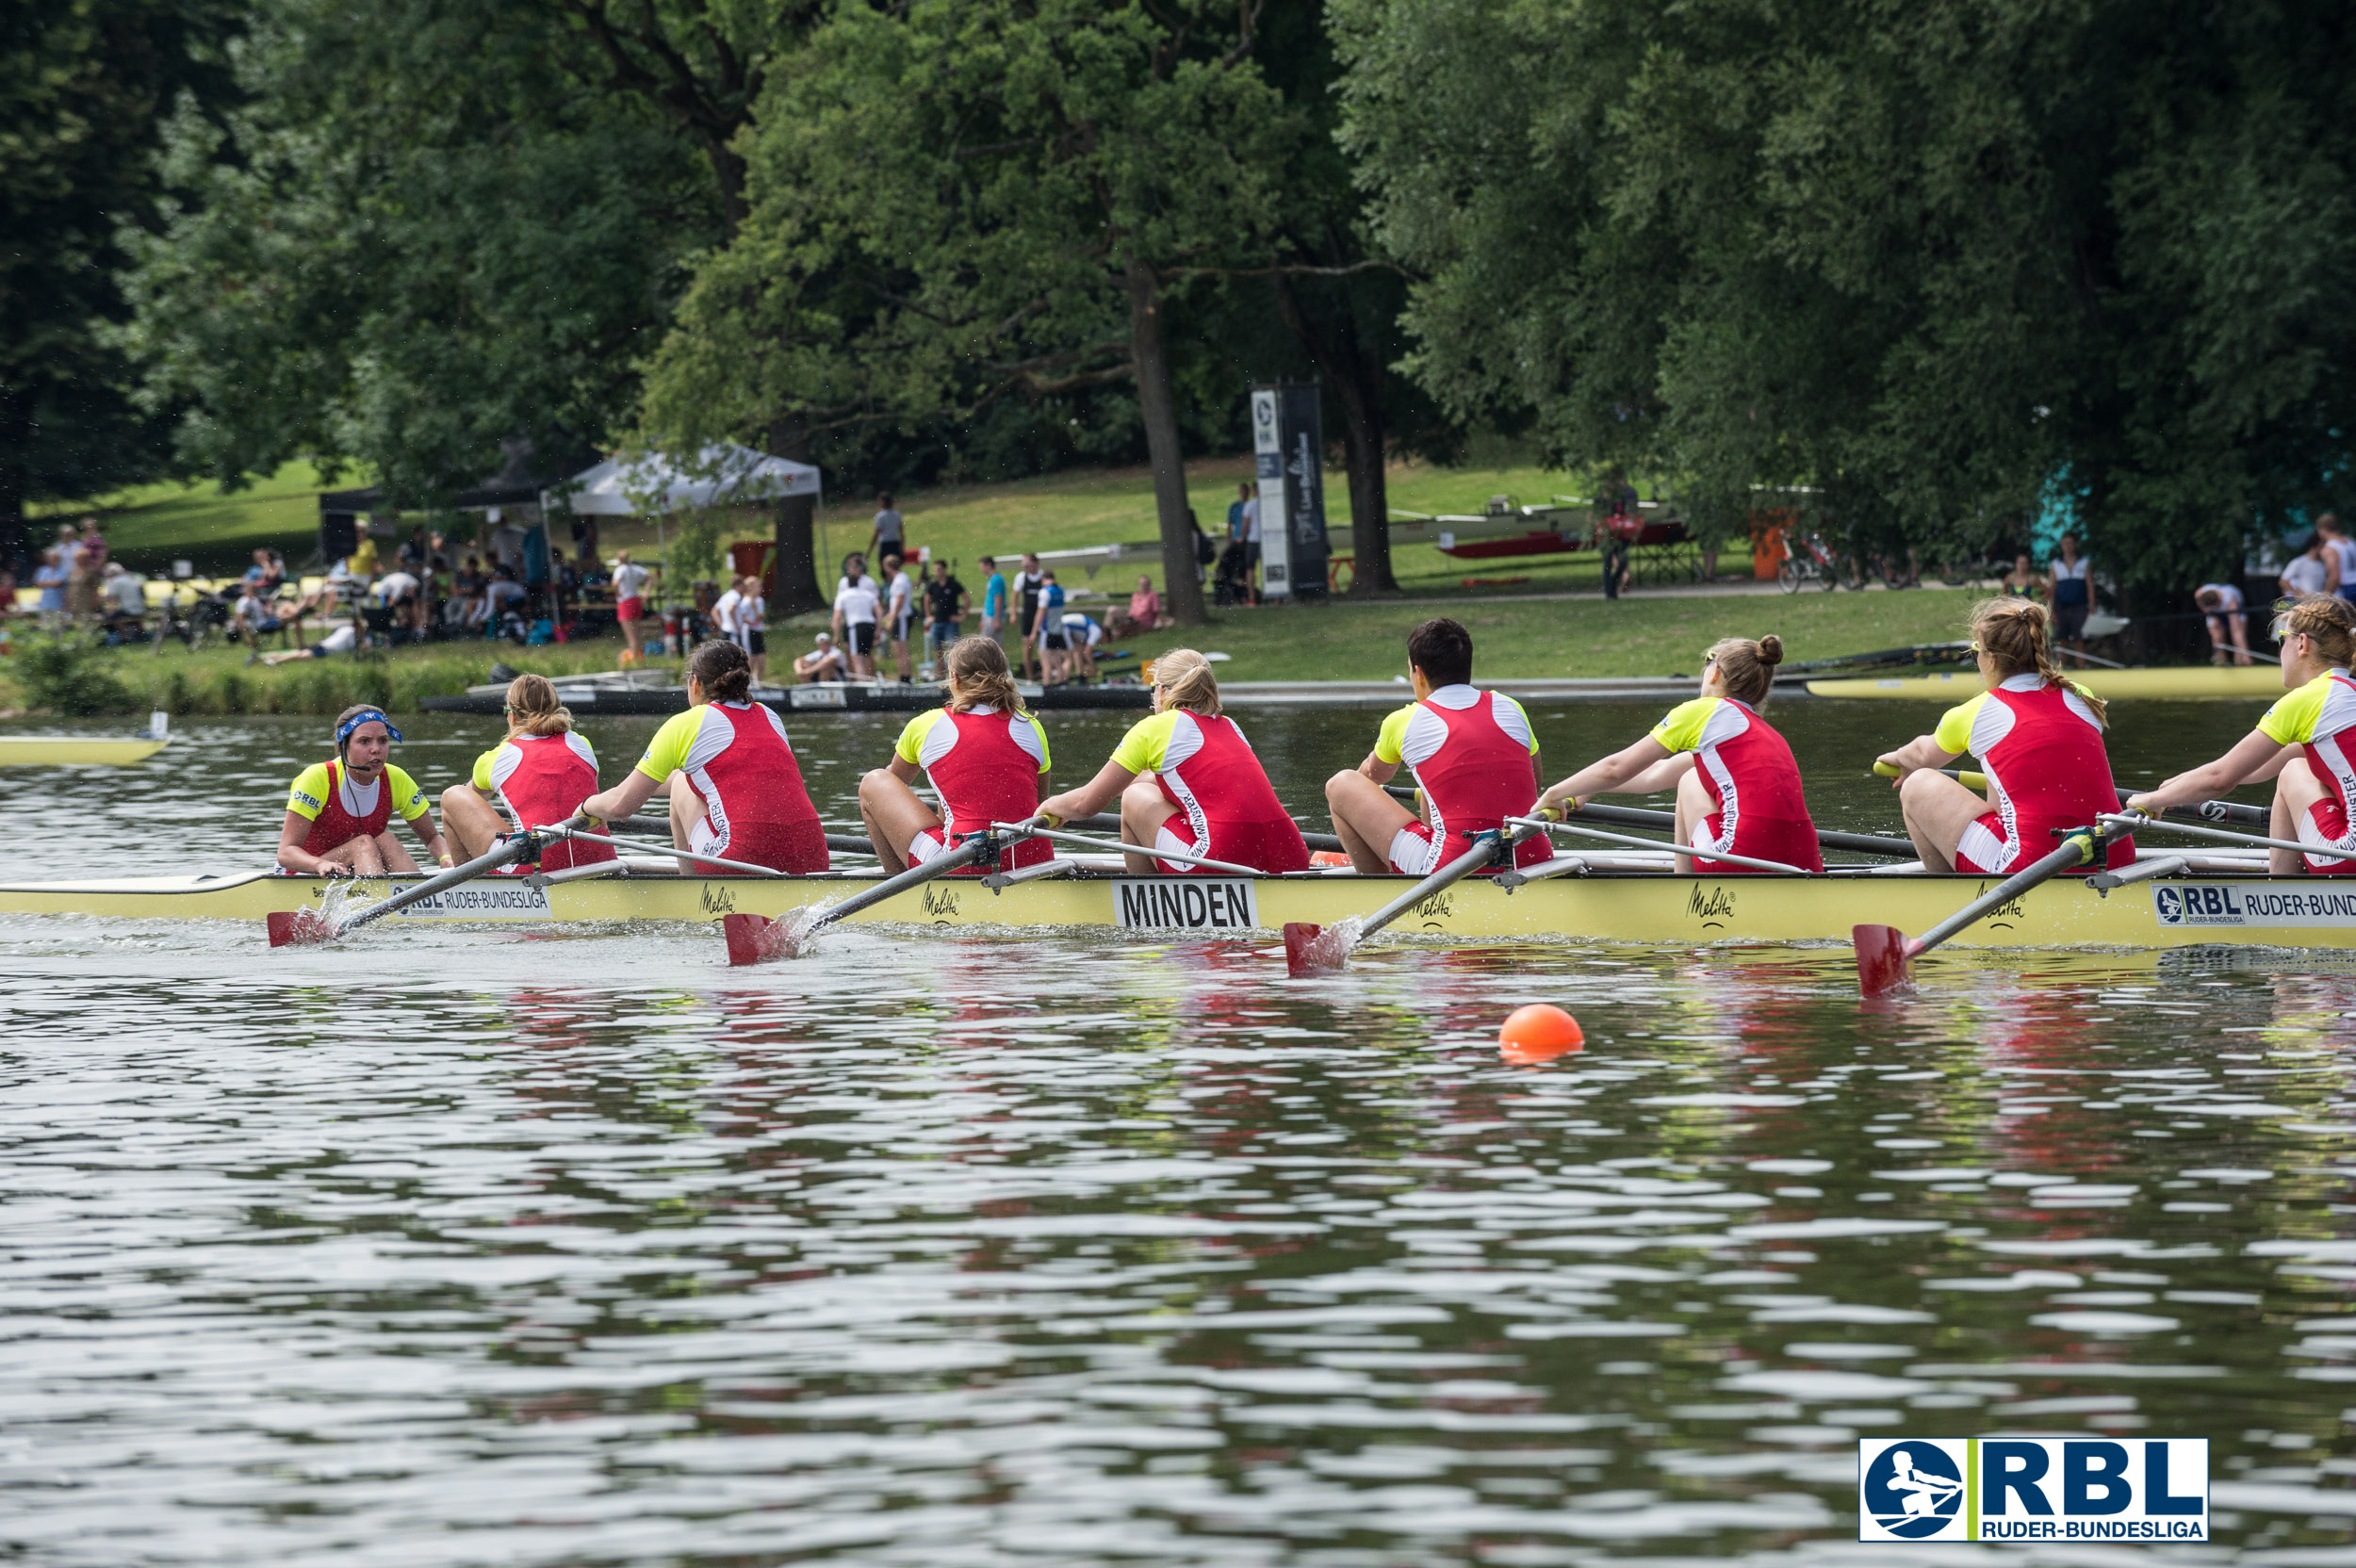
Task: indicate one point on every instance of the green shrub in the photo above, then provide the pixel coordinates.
(68, 674)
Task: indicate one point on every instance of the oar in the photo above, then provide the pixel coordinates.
(2208, 810)
(2132, 820)
(755, 938)
(303, 927)
(1310, 949)
(1751, 861)
(1183, 857)
(1884, 953)
(1637, 816)
(657, 846)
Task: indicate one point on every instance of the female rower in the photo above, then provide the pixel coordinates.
(1188, 781)
(743, 798)
(2038, 738)
(339, 812)
(538, 776)
(985, 755)
(1738, 788)
(2303, 744)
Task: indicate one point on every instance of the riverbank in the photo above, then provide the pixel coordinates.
(1515, 639)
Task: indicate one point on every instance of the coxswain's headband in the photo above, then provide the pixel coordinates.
(343, 730)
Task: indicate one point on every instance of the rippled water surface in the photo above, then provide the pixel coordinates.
(460, 1247)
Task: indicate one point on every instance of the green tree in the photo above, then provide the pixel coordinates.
(1933, 261)
(964, 200)
(84, 86)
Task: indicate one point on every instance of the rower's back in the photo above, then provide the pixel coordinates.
(1472, 751)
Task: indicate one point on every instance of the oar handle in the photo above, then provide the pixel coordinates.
(1968, 779)
(2131, 820)
(990, 843)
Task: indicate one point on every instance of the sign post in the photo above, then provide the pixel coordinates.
(1288, 447)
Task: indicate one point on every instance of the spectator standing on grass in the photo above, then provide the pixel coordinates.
(857, 608)
(900, 614)
(994, 598)
(1028, 584)
(945, 605)
(2022, 582)
(1234, 513)
(1053, 644)
(1252, 548)
(50, 578)
(630, 603)
(2316, 569)
(2343, 551)
(889, 535)
(2074, 594)
(2229, 620)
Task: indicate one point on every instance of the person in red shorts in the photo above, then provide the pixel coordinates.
(2038, 738)
(1476, 762)
(736, 790)
(1738, 788)
(2306, 743)
(1188, 781)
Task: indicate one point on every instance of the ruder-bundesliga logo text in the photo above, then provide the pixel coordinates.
(2031, 1489)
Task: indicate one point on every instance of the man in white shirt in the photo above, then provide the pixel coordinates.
(900, 614)
(2228, 622)
(397, 592)
(822, 662)
(2344, 551)
(503, 595)
(857, 606)
(724, 612)
(752, 627)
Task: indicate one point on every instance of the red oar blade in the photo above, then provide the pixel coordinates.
(298, 928)
(750, 939)
(1313, 949)
(1882, 952)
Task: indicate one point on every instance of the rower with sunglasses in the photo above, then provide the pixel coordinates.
(339, 812)
(1738, 788)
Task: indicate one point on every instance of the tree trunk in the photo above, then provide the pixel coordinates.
(1357, 385)
(16, 429)
(1182, 592)
(794, 569)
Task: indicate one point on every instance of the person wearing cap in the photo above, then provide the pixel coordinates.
(822, 662)
(339, 812)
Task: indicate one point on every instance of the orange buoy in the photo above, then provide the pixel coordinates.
(1539, 1032)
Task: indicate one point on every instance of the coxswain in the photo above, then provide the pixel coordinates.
(537, 776)
(2306, 743)
(1737, 790)
(2038, 738)
(1188, 781)
(339, 812)
(736, 790)
(985, 755)
(1474, 758)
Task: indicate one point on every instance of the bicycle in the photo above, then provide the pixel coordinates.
(1812, 561)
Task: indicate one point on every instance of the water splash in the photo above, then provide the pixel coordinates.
(1330, 948)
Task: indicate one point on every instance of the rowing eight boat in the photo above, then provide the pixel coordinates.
(1616, 899)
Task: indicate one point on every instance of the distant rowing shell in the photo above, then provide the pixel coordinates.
(57, 751)
(2247, 682)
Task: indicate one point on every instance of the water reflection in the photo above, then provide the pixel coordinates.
(457, 1248)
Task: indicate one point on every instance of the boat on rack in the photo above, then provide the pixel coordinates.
(2168, 899)
(59, 751)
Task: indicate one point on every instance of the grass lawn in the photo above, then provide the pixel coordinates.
(150, 527)
(1533, 639)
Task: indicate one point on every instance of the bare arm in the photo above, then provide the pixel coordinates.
(1920, 753)
(624, 799)
(1090, 797)
(2257, 755)
(293, 856)
(1612, 774)
(1378, 770)
(431, 836)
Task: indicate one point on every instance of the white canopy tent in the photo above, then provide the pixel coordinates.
(651, 485)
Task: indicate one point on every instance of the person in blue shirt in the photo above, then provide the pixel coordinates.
(1052, 645)
(1234, 513)
(993, 597)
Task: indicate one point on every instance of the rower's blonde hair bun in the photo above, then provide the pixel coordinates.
(532, 708)
(1747, 667)
(1185, 676)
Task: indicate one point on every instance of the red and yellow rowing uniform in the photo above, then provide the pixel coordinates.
(735, 757)
(341, 809)
(1471, 753)
(1757, 805)
(2041, 747)
(1227, 809)
(986, 765)
(541, 780)
(2318, 718)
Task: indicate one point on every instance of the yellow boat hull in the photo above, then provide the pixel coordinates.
(2253, 683)
(2173, 912)
(55, 751)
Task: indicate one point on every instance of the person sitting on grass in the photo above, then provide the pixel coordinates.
(822, 662)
